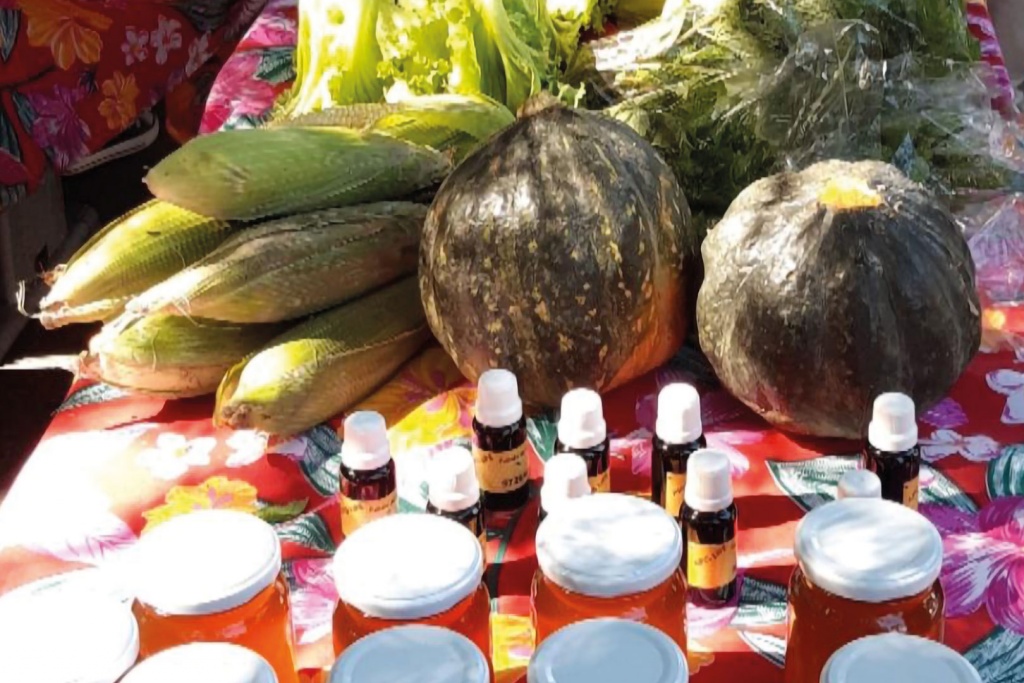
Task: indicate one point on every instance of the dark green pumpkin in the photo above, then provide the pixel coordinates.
(559, 250)
(827, 287)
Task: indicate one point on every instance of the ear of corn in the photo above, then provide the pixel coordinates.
(126, 257)
(293, 266)
(250, 174)
(356, 116)
(170, 356)
(326, 365)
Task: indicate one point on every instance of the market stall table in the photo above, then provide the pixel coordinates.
(111, 467)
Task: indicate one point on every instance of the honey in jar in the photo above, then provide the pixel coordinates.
(381, 587)
(898, 658)
(65, 635)
(214, 576)
(204, 663)
(609, 555)
(425, 654)
(608, 651)
(583, 431)
(865, 566)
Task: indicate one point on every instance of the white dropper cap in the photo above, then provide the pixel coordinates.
(565, 478)
(581, 422)
(497, 399)
(860, 484)
(708, 481)
(365, 445)
(893, 425)
(678, 414)
(451, 480)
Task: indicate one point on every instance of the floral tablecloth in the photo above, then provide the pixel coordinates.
(112, 467)
(74, 74)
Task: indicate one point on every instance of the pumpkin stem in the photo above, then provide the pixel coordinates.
(848, 194)
(542, 101)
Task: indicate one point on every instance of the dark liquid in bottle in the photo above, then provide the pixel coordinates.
(596, 458)
(366, 495)
(499, 444)
(668, 471)
(899, 472)
(472, 518)
(709, 554)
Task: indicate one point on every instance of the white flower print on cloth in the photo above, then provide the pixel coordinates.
(1010, 384)
(135, 46)
(946, 442)
(247, 446)
(166, 38)
(173, 455)
(198, 54)
(82, 528)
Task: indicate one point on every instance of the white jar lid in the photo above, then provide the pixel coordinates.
(609, 545)
(608, 651)
(373, 573)
(66, 635)
(425, 654)
(206, 562)
(898, 658)
(868, 550)
(203, 663)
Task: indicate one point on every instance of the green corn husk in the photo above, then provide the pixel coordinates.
(326, 365)
(129, 255)
(250, 174)
(161, 355)
(290, 267)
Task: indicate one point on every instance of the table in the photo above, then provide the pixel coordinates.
(111, 467)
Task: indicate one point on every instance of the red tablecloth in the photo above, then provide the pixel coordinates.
(112, 467)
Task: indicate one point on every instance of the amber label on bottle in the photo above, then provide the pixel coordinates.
(710, 566)
(501, 471)
(602, 483)
(675, 484)
(356, 513)
(910, 493)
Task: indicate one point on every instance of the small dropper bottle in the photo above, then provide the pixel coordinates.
(709, 527)
(453, 491)
(677, 434)
(892, 451)
(499, 442)
(859, 484)
(582, 430)
(368, 486)
(565, 478)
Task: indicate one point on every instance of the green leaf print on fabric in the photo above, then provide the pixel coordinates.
(407, 506)
(277, 65)
(542, 431)
(321, 462)
(1006, 473)
(10, 20)
(770, 647)
(91, 395)
(762, 603)
(810, 483)
(276, 514)
(999, 657)
(309, 531)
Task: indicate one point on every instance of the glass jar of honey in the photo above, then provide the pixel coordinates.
(609, 555)
(64, 635)
(214, 576)
(608, 651)
(426, 654)
(898, 658)
(864, 566)
(204, 663)
(411, 569)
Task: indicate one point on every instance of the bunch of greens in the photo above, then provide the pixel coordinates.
(731, 90)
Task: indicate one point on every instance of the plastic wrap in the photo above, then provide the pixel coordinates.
(732, 90)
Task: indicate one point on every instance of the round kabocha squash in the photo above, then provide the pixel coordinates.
(827, 287)
(562, 250)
